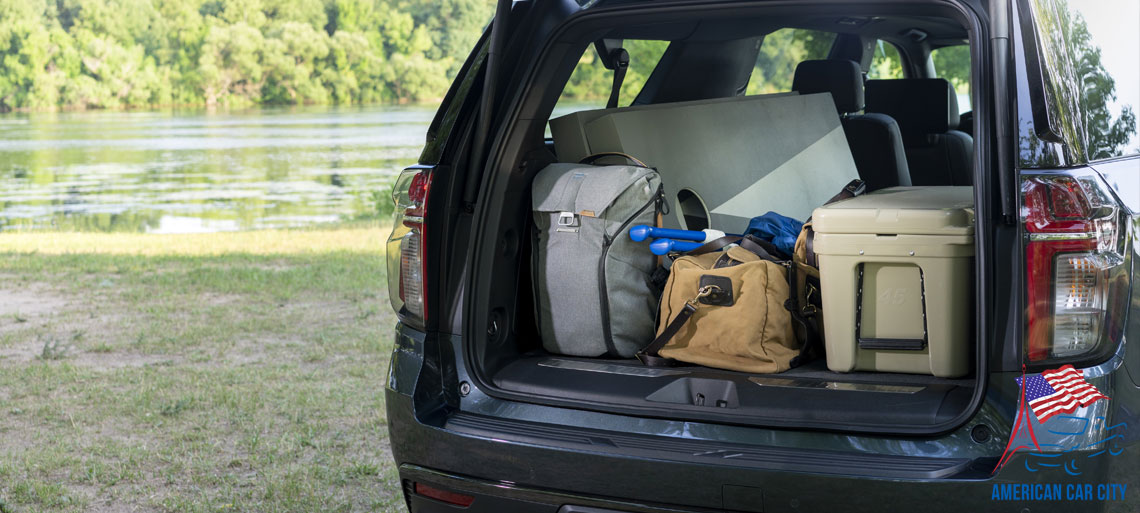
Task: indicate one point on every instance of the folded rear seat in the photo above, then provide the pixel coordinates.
(726, 160)
(927, 113)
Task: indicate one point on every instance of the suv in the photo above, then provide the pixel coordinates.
(1033, 108)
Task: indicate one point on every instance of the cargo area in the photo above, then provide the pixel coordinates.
(897, 287)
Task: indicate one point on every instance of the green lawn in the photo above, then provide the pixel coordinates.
(215, 372)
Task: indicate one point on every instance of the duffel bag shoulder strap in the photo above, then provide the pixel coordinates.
(649, 355)
(853, 188)
(809, 245)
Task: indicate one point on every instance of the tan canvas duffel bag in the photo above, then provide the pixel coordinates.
(735, 309)
(807, 284)
(808, 288)
(727, 309)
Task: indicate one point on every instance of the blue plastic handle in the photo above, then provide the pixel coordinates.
(664, 246)
(641, 232)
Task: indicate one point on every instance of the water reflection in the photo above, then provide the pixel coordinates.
(193, 171)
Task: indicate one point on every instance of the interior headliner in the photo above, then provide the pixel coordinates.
(940, 31)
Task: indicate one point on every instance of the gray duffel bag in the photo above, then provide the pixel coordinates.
(593, 293)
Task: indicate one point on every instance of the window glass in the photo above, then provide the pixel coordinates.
(887, 63)
(1089, 51)
(780, 52)
(953, 64)
(444, 121)
(590, 83)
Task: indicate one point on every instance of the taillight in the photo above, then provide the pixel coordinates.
(1074, 261)
(407, 279)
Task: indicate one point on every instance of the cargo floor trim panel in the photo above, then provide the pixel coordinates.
(701, 451)
(695, 393)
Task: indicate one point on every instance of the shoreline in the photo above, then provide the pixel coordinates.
(209, 108)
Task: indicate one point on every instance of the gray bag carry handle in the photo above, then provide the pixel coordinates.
(598, 156)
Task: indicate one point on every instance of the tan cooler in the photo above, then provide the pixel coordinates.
(896, 272)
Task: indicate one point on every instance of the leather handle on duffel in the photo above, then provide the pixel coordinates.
(761, 248)
(597, 156)
(715, 245)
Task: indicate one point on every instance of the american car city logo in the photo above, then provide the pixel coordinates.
(1056, 394)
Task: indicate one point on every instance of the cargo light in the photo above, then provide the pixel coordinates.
(1074, 261)
(407, 248)
(455, 499)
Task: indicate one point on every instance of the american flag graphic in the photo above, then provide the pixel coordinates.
(1058, 391)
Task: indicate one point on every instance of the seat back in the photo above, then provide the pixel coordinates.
(721, 160)
(927, 113)
(875, 139)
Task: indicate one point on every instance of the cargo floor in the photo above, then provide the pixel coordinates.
(809, 395)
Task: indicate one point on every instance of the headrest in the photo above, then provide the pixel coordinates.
(921, 106)
(842, 78)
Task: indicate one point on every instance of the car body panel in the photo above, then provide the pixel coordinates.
(445, 429)
(593, 470)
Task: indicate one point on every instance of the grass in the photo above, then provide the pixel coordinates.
(217, 372)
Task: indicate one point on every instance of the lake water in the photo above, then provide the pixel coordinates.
(170, 172)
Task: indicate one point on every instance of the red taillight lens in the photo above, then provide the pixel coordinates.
(418, 188)
(407, 252)
(456, 499)
(1074, 264)
(1055, 204)
(1067, 199)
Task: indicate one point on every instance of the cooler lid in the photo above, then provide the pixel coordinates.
(935, 210)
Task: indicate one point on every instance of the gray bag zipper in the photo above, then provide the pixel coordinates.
(604, 301)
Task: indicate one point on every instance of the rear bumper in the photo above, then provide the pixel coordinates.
(505, 476)
(545, 465)
(509, 475)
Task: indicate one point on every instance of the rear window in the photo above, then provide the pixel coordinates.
(781, 52)
(590, 83)
(953, 64)
(886, 63)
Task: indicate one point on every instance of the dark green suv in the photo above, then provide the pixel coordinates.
(1033, 107)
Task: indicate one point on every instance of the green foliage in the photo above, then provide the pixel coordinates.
(775, 65)
(953, 64)
(887, 63)
(780, 52)
(592, 81)
(128, 53)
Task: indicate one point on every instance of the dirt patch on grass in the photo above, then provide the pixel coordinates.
(210, 298)
(60, 348)
(119, 360)
(29, 304)
(15, 431)
(41, 323)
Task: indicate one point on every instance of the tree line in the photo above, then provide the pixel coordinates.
(775, 66)
(130, 53)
